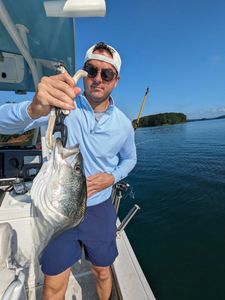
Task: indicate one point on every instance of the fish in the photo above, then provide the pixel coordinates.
(59, 201)
(59, 191)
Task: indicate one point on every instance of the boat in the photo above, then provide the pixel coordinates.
(31, 37)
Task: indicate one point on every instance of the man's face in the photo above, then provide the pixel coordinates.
(97, 89)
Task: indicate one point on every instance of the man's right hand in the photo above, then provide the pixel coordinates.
(58, 91)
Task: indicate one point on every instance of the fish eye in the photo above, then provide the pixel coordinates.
(77, 169)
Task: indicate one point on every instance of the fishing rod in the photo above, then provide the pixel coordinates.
(141, 109)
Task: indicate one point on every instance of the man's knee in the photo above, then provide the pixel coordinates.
(101, 273)
(55, 286)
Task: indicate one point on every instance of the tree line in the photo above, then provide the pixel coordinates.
(161, 119)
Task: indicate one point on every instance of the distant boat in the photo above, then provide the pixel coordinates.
(32, 45)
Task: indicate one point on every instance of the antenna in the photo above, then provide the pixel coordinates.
(141, 109)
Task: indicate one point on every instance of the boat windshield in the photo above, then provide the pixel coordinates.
(25, 140)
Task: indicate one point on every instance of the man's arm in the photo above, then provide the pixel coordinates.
(128, 159)
(15, 119)
(58, 91)
(127, 156)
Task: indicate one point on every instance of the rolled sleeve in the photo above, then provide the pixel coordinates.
(127, 158)
(15, 118)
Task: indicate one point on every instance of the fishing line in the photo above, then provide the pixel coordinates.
(144, 142)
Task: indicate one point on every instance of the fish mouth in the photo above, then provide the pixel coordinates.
(65, 152)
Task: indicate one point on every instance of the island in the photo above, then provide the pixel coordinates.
(168, 118)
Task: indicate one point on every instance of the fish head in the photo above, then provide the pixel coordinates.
(71, 156)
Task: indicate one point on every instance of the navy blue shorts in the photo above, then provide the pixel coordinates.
(97, 234)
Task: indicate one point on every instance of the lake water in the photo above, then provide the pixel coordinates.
(179, 234)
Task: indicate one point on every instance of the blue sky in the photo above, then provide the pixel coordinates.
(175, 47)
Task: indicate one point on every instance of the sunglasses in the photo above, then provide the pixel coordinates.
(106, 74)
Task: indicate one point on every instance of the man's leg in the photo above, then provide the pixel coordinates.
(98, 235)
(103, 281)
(57, 258)
(55, 286)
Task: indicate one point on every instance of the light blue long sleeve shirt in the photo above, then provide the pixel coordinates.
(107, 146)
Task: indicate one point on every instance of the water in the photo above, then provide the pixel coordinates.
(179, 234)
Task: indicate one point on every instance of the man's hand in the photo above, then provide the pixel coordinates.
(58, 91)
(99, 182)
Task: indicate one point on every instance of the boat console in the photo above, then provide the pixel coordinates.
(18, 167)
(19, 162)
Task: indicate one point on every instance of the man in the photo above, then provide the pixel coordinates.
(106, 140)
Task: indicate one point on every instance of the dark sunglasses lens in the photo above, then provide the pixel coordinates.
(107, 74)
(92, 71)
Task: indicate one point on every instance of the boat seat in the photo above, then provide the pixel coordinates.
(6, 235)
(12, 278)
(12, 285)
(7, 276)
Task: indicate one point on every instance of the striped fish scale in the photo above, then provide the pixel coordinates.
(59, 194)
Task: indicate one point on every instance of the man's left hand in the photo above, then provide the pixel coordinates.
(99, 182)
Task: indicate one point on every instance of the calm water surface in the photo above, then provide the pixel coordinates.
(179, 234)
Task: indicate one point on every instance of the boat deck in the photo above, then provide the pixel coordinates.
(129, 282)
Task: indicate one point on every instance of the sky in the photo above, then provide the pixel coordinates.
(175, 47)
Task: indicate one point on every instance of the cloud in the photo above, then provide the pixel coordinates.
(219, 109)
(207, 113)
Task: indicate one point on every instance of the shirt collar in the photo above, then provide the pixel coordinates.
(108, 110)
(111, 105)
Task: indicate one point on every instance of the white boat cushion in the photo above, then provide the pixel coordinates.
(7, 277)
(6, 234)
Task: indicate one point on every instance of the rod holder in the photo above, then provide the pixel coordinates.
(117, 194)
(128, 217)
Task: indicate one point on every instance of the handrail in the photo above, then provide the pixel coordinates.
(13, 32)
